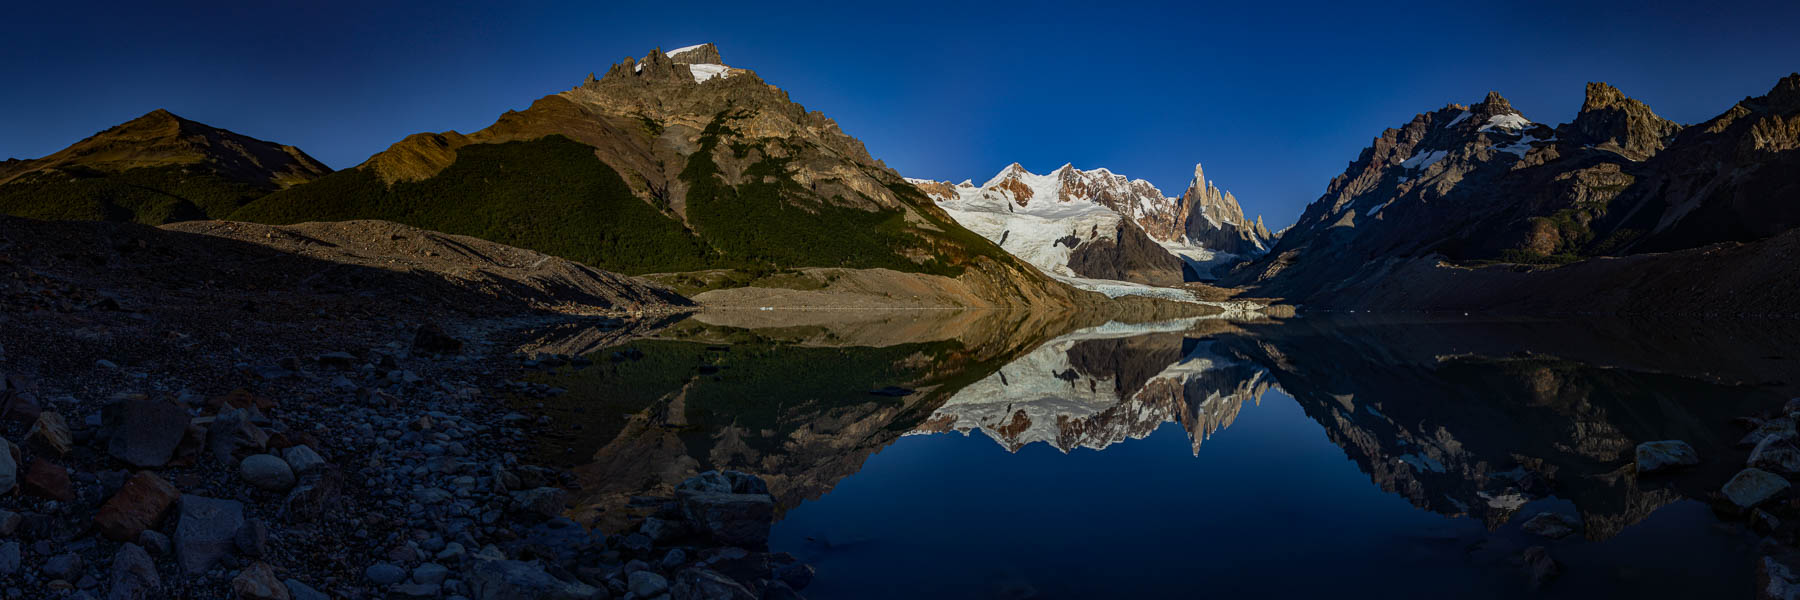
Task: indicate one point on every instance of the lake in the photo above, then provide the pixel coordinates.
(1000, 455)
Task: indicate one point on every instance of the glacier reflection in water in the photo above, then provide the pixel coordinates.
(1361, 458)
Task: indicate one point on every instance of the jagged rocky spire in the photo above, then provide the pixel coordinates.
(1612, 121)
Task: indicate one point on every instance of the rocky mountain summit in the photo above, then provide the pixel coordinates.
(1102, 225)
(153, 169)
(1482, 182)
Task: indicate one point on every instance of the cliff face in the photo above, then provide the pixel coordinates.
(1484, 183)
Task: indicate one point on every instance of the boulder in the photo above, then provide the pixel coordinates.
(206, 531)
(730, 519)
(430, 573)
(259, 583)
(267, 472)
(133, 575)
(147, 431)
(52, 431)
(138, 505)
(705, 584)
(520, 580)
(1754, 486)
(46, 479)
(1664, 455)
(64, 566)
(1552, 525)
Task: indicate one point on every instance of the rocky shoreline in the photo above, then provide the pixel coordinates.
(391, 470)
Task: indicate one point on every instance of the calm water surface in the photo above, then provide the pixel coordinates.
(1031, 457)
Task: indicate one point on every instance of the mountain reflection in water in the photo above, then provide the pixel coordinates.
(1456, 432)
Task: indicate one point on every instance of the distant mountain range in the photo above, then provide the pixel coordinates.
(678, 163)
(1101, 225)
(1468, 186)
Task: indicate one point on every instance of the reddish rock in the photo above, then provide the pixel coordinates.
(46, 479)
(139, 505)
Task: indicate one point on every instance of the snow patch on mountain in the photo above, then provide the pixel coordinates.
(1509, 121)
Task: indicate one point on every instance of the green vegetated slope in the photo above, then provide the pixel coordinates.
(552, 195)
(549, 195)
(148, 195)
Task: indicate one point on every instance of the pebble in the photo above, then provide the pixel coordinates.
(384, 574)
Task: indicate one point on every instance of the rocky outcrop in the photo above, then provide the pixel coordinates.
(1129, 255)
(1213, 219)
(1611, 121)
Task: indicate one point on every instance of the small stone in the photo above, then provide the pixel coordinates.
(1754, 486)
(1551, 525)
(430, 573)
(106, 364)
(46, 479)
(52, 431)
(302, 459)
(384, 574)
(252, 539)
(206, 531)
(673, 560)
(696, 582)
(1663, 455)
(154, 542)
(9, 558)
(9, 522)
(63, 566)
(259, 583)
(301, 591)
(133, 575)
(268, 472)
(648, 584)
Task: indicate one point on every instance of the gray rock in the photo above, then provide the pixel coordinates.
(696, 583)
(430, 573)
(1663, 455)
(519, 580)
(1551, 525)
(268, 472)
(133, 575)
(206, 531)
(1754, 486)
(384, 574)
(673, 560)
(147, 431)
(9, 558)
(648, 584)
(301, 591)
(9, 522)
(253, 538)
(302, 459)
(730, 519)
(1540, 567)
(63, 566)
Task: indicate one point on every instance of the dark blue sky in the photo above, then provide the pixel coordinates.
(1273, 97)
